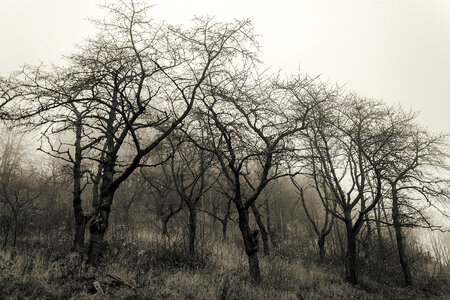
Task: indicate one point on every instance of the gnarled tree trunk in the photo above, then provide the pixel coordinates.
(99, 222)
(250, 243)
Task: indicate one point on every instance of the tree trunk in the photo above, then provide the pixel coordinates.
(98, 227)
(5, 238)
(386, 218)
(350, 259)
(321, 244)
(80, 219)
(262, 228)
(6, 224)
(99, 223)
(164, 222)
(382, 255)
(16, 228)
(80, 229)
(224, 229)
(250, 243)
(192, 229)
(399, 237)
(225, 220)
(339, 238)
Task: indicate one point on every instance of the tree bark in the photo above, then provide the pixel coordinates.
(250, 244)
(262, 228)
(399, 237)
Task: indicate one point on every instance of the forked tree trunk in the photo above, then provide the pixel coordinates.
(250, 243)
(399, 237)
(262, 229)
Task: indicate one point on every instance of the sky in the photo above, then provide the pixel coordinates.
(394, 50)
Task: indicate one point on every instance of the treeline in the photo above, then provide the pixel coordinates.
(149, 119)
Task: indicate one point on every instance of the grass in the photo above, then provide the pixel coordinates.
(155, 267)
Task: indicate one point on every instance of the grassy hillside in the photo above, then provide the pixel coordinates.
(155, 267)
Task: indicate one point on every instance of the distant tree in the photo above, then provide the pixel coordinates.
(20, 187)
(322, 228)
(193, 175)
(161, 198)
(218, 206)
(129, 195)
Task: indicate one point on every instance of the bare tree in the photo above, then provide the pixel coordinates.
(321, 228)
(148, 83)
(19, 187)
(193, 176)
(55, 102)
(244, 134)
(220, 207)
(417, 175)
(350, 142)
(141, 79)
(162, 199)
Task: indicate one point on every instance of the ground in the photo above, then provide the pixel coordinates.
(158, 268)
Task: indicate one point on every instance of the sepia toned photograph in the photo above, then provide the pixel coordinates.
(291, 149)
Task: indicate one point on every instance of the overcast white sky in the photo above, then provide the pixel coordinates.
(395, 50)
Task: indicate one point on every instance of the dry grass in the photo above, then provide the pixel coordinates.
(155, 267)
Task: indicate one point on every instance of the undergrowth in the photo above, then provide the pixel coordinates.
(160, 268)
